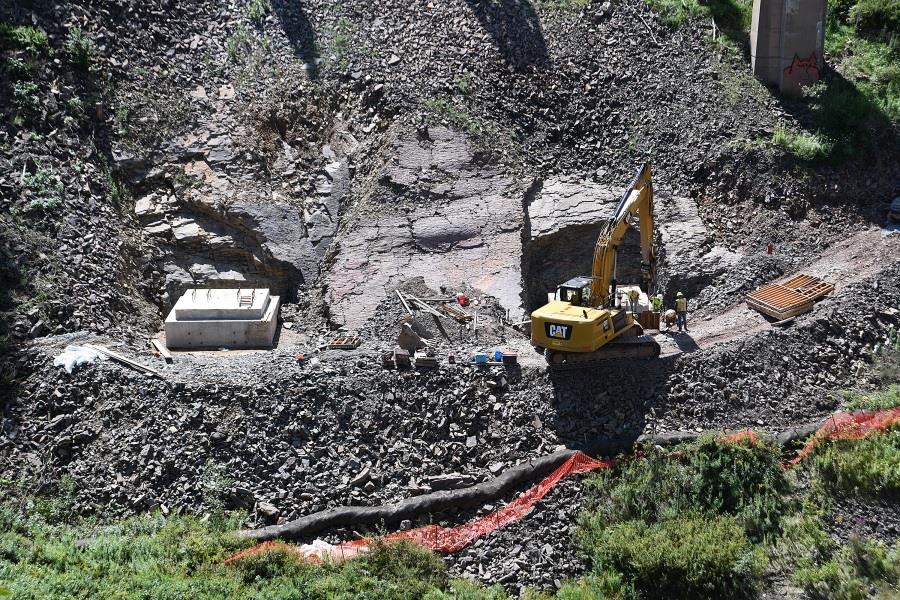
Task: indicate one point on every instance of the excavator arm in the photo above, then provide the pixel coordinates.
(637, 200)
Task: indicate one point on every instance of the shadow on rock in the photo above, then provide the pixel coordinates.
(516, 30)
(602, 410)
(300, 32)
(684, 341)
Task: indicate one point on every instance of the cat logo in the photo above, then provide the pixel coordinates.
(559, 332)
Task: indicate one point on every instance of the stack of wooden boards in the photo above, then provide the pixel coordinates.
(793, 297)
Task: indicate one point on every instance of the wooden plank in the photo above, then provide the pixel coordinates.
(344, 343)
(403, 301)
(161, 348)
(125, 361)
(424, 306)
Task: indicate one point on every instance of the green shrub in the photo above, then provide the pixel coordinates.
(257, 10)
(809, 147)
(691, 556)
(870, 466)
(45, 189)
(743, 479)
(876, 17)
(79, 49)
(31, 39)
(676, 12)
(18, 69)
(861, 569)
(25, 95)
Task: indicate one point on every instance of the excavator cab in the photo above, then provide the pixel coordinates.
(576, 291)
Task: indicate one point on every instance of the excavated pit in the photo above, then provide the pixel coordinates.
(564, 220)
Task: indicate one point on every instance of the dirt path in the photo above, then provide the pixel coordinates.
(846, 262)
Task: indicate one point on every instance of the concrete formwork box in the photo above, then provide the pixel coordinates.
(787, 42)
(231, 318)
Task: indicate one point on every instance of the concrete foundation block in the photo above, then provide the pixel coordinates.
(229, 318)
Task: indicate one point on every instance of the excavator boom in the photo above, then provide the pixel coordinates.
(637, 199)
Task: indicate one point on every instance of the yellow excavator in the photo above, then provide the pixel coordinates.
(581, 324)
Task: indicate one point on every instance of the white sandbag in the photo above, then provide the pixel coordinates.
(73, 356)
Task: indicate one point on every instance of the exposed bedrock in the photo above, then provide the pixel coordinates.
(436, 213)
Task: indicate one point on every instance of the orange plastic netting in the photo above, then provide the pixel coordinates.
(452, 539)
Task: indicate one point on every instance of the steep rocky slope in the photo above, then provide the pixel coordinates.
(335, 151)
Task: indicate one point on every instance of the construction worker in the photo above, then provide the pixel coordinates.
(633, 296)
(656, 303)
(681, 307)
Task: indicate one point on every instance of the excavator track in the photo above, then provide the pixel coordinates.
(638, 346)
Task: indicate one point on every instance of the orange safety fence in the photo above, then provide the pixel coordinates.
(850, 426)
(448, 540)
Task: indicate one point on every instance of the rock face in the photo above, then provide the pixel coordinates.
(436, 213)
(564, 220)
(689, 259)
(220, 224)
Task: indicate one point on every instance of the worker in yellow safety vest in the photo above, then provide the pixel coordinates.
(681, 307)
(633, 296)
(656, 303)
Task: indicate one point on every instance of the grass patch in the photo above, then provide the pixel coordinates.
(181, 557)
(339, 40)
(729, 15)
(809, 147)
(861, 569)
(565, 5)
(870, 466)
(444, 110)
(888, 397)
(238, 43)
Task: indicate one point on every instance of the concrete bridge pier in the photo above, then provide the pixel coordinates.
(787, 41)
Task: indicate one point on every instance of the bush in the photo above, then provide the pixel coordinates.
(880, 18)
(870, 466)
(743, 479)
(859, 571)
(79, 48)
(31, 39)
(691, 556)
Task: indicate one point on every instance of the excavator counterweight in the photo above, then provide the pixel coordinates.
(581, 324)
